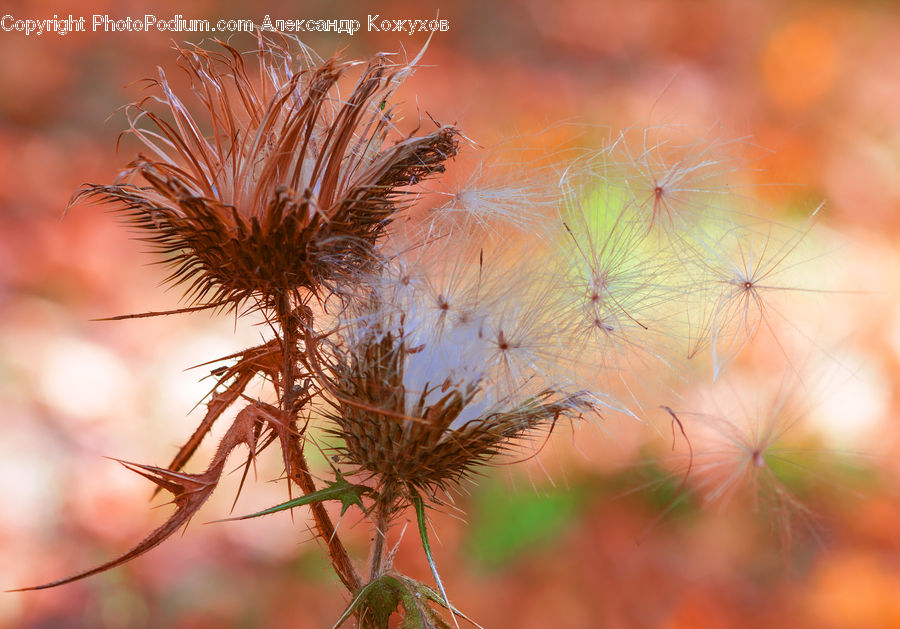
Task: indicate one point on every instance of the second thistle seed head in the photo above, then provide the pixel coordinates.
(429, 445)
(422, 398)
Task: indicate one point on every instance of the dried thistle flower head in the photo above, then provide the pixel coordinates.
(273, 184)
(423, 392)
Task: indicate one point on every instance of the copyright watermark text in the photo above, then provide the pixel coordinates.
(104, 23)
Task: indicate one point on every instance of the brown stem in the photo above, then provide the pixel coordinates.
(288, 352)
(382, 521)
(299, 471)
(340, 559)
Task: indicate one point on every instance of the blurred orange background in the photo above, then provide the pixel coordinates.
(813, 89)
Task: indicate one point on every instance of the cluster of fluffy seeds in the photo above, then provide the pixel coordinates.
(438, 370)
(450, 352)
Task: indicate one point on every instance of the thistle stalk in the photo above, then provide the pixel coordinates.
(382, 522)
(299, 468)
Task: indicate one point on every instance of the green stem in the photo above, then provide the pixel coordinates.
(419, 505)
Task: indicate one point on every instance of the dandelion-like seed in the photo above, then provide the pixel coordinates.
(748, 269)
(495, 199)
(673, 181)
(744, 455)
